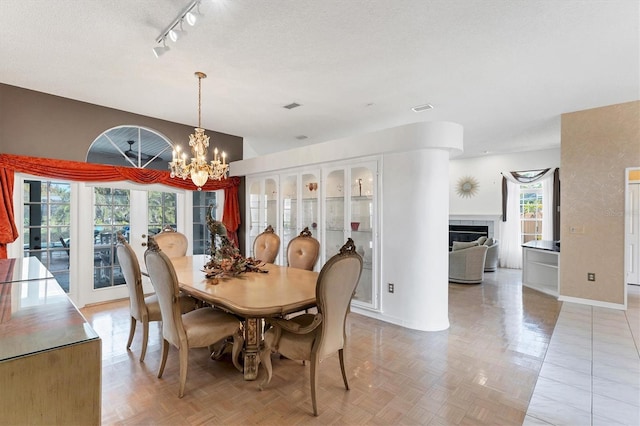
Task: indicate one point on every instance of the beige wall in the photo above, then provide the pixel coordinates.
(597, 145)
(41, 125)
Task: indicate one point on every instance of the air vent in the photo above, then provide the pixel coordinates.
(291, 106)
(302, 137)
(421, 108)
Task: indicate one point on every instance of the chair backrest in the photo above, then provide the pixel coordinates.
(131, 271)
(171, 242)
(165, 283)
(266, 246)
(303, 251)
(334, 290)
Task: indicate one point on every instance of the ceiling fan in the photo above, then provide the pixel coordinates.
(134, 154)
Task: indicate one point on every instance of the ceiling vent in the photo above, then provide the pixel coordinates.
(292, 105)
(421, 108)
(302, 137)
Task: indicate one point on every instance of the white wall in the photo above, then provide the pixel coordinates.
(486, 170)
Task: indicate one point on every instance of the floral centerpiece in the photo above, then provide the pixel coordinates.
(226, 261)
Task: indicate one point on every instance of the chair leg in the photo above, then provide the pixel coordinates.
(132, 331)
(184, 361)
(163, 361)
(265, 359)
(238, 343)
(145, 339)
(314, 382)
(344, 374)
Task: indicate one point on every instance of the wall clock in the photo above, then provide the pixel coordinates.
(467, 187)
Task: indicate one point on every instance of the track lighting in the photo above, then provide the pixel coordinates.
(161, 50)
(174, 30)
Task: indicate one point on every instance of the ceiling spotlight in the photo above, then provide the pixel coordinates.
(161, 50)
(190, 18)
(175, 34)
(421, 108)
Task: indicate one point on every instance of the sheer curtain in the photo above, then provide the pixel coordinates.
(547, 207)
(510, 249)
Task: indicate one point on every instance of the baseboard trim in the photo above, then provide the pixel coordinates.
(591, 302)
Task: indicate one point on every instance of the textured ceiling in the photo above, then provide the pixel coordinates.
(503, 69)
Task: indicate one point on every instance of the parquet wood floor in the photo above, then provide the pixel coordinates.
(481, 371)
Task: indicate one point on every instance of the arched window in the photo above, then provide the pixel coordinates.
(131, 146)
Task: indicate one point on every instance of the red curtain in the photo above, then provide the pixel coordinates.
(87, 172)
(8, 230)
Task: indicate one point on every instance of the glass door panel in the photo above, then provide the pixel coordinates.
(271, 204)
(289, 211)
(361, 223)
(309, 208)
(334, 215)
(254, 211)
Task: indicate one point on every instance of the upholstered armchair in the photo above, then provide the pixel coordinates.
(196, 329)
(314, 337)
(466, 266)
(171, 242)
(491, 262)
(303, 251)
(266, 246)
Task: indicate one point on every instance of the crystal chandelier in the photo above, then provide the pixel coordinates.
(198, 169)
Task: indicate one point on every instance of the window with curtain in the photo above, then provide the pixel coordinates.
(46, 226)
(531, 212)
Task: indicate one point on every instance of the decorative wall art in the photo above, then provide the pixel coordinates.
(467, 187)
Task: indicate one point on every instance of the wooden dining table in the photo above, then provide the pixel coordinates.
(252, 296)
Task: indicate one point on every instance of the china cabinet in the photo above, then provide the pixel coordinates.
(335, 201)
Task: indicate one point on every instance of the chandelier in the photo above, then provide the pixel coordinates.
(198, 169)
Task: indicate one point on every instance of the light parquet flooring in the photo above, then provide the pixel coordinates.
(482, 370)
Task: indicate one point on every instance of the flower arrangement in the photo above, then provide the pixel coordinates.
(226, 261)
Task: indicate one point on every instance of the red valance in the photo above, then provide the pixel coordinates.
(87, 172)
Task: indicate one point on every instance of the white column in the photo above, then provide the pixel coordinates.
(415, 239)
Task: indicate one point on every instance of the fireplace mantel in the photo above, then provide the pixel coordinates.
(490, 220)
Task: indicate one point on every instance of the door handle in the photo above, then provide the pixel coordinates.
(144, 244)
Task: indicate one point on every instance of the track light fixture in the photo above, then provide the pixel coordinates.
(174, 30)
(161, 50)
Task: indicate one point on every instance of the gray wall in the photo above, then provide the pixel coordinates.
(41, 125)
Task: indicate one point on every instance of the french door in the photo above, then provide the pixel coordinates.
(131, 211)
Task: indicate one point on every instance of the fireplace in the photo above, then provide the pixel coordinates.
(467, 233)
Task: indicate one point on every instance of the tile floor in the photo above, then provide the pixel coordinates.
(591, 371)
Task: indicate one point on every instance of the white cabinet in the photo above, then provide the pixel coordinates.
(262, 200)
(335, 201)
(541, 267)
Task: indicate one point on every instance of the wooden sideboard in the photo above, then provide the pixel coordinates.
(50, 357)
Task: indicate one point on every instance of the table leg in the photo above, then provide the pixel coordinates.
(252, 340)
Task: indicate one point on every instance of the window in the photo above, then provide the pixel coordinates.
(161, 211)
(531, 211)
(46, 225)
(201, 238)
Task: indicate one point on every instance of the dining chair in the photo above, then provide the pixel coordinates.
(141, 308)
(171, 242)
(196, 329)
(266, 245)
(303, 251)
(314, 337)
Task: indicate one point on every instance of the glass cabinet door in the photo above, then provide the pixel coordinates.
(309, 210)
(361, 223)
(334, 235)
(289, 190)
(263, 208)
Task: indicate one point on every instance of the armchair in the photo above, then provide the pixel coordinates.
(466, 266)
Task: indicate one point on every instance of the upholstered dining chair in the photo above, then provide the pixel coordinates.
(314, 337)
(196, 329)
(141, 308)
(171, 242)
(303, 251)
(266, 245)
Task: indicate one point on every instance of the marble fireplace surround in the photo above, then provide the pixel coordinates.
(492, 222)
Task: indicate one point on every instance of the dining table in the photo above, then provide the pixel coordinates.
(251, 296)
